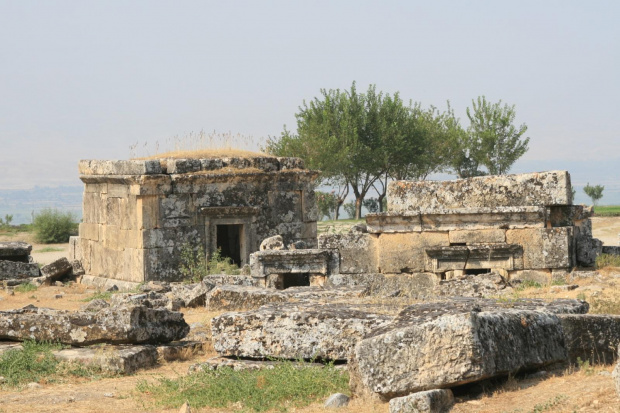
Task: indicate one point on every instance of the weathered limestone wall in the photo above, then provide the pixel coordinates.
(138, 215)
(532, 189)
(523, 226)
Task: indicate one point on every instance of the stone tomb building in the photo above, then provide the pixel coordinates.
(139, 214)
(523, 226)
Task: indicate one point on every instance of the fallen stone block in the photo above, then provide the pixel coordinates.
(150, 300)
(445, 344)
(324, 293)
(112, 325)
(193, 295)
(17, 251)
(430, 401)
(95, 305)
(294, 331)
(76, 268)
(111, 359)
(236, 297)
(13, 270)
(237, 364)
(225, 279)
(591, 337)
(56, 270)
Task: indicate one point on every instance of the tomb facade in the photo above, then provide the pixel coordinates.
(138, 215)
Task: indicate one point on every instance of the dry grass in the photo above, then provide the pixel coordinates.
(206, 154)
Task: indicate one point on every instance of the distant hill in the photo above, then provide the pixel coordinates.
(24, 203)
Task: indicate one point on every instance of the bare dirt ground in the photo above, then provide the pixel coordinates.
(563, 390)
(607, 229)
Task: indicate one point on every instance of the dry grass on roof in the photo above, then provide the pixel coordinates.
(206, 154)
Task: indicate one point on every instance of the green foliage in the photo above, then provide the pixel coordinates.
(585, 366)
(194, 266)
(25, 288)
(496, 142)
(607, 260)
(49, 249)
(285, 386)
(35, 361)
(326, 203)
(6, 222)
(349, 208)
(594, 192)
(53, 226)
(607, 211)
(29, 364)
(528, 284)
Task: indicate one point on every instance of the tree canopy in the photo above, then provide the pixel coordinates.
(594, 192)
(362, 140)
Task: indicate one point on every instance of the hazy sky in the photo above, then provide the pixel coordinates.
(87, 79)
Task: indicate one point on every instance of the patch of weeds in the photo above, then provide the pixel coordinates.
(100, 295)
(605, 305)
(29, 364)
(49, 249)
(581, 296)
(550, 405)
(194, 265)
(585, 367)
(280, 388)
(25, 288)
(34, 362)
(558, 281)
(607, 260)
(528, 284)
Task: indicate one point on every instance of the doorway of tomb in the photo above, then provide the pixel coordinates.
(228, 241)
(295, 280)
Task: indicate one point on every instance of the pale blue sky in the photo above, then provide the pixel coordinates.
(86, 79)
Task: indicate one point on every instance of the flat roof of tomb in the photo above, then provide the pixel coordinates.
(171, 166)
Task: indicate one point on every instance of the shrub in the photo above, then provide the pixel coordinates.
(53, 226)
(607, 260)
(195, 267)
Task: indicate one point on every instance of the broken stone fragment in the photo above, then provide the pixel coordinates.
(430, 401)
(56, 270)
(272, 243)
(421, 351)
(294, 331)
(13, 270)
(150, 300)
(15, 251)
(112, 325)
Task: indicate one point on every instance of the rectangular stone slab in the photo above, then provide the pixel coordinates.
(113, 359)
(15, 251)
(294, 331)
(112, 325)
(591, 337)
(539, 188)
(454, 349)
(11, 270)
